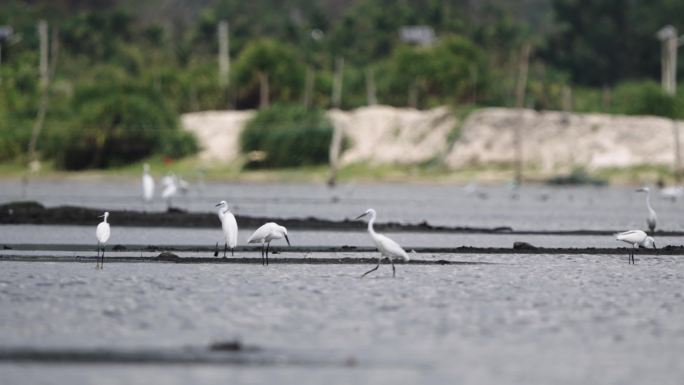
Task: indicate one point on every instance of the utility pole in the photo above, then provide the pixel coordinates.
(371, 97)
(336, 142)
(520, 103)
(223, 55)
(669, 44)
(337, 82)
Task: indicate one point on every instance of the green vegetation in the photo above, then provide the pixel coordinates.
(122, 72)
(287, 136)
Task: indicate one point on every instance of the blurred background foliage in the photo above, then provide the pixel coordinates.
(125, 70)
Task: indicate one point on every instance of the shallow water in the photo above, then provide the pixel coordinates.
(531, 207)
(528, 319)
(533, 319)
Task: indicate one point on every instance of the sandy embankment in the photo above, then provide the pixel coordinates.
(552, 141)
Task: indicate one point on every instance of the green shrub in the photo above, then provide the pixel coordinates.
(644, 98)
(117, 123)
(288, 135)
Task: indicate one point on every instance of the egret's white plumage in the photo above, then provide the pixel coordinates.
(102, 233)
(636, 238)
(267, 233)
(229, 227)
(385, 245)
(170, 189)
(672, 192)
(652, 217)
(147, 184)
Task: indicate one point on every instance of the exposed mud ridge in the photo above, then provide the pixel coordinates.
(216, 353)
(30, 212)
(35, 213)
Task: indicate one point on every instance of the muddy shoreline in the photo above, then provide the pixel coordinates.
(34, 213)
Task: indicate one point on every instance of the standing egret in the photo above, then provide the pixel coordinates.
(386, 246)
(265, 234)
(672, 192)
(102, 234)
(636, 238)
(229, 226)
(652, 217)
(170, 189)
(147, 185)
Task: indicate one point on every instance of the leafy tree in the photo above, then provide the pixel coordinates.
(272, 66)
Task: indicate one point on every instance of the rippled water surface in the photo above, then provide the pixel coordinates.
(522, 319)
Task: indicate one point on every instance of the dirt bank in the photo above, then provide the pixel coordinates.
(552, 141)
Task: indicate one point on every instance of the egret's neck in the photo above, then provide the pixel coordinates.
(105, 219)
(370, 224)
(648, 200)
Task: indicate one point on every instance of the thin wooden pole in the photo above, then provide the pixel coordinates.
(520, 103)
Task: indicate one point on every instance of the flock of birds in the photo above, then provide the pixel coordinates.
(272, 231)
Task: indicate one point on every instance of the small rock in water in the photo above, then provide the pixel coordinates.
(523, 246)
(167, 256)
(226, 346)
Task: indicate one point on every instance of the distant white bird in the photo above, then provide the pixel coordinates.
(672, 192)
(652, 217)
(265, 234)
(386, 246)
(170, 189)
(147, 185)
(636, 238)
(229, 227)
(102, 234)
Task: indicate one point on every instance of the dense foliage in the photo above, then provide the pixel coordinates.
(286, 136)
(121, 67)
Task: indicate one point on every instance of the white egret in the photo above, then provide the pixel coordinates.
(170, 189)
(147, 185)
(229, 227)
(102, 234)
(672, 192)
(386, 246)
(652, 217)
(636, 238)
(265, 234)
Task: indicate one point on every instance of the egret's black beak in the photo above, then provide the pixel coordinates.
(218, 204)
(287, 239)
(360, 216)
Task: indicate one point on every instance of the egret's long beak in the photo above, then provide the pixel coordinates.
(360, 216)
(218, 204)
(101, 216)
(640, 189)
(287, 239)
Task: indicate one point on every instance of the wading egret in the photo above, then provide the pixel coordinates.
(386, 246)
(636, 238)
(672, 193)
(170, 189)
(652, 217)
(147, 185)
(229, 227)
(102, 234)
(265, 234)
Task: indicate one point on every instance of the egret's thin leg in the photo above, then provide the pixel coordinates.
(225, 249)
(216, 250)
(263, 248)
(268, 246)
(373, 269)
(232, 249)
(97, 257)
(394, 271)
(103, 251)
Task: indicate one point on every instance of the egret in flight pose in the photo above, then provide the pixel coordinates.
(102, 234)
(386, 246)
(265, 234)
(229, 226)
(147, 185)
(652, 217)
(636, 238)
